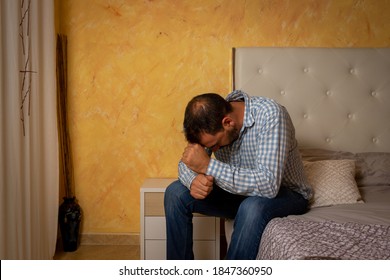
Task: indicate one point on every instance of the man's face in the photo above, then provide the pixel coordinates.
(220, 139)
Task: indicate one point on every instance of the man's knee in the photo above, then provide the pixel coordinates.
(254, 208)
(174, 195)
(173, 189)
(254, 204)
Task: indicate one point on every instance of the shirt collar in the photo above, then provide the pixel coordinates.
(240, 95)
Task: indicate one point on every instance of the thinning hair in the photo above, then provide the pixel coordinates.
(204, 114)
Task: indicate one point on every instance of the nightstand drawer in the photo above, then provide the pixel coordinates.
(156, 250)
(204, 228)
(154, 204)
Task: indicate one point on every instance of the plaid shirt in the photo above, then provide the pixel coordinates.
(264, 156)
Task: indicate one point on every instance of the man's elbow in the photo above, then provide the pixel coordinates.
(272, 194)
(270, 190)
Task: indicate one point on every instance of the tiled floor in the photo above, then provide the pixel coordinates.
(100, 252)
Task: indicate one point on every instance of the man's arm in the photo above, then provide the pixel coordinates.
(264, 179)
(200, 185)
(186, 175)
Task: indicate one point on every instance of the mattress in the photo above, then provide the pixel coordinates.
(352, 231)
(374, 210)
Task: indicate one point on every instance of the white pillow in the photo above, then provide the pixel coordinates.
(333, 182)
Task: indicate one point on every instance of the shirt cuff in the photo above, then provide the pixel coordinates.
(215, 168)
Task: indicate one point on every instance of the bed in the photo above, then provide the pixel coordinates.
(339, 100)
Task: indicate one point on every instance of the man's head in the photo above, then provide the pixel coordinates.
(207, 121)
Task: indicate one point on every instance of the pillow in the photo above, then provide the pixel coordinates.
(374, 169)
(314, 154)
(333, 182)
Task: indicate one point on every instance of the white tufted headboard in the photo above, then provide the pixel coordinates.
(338, 98)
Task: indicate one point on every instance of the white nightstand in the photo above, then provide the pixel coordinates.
(153, 235)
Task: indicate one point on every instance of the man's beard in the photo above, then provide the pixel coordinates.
(233, 135)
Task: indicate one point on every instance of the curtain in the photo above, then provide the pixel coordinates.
(28, 123)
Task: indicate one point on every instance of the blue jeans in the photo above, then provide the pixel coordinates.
(250, 214)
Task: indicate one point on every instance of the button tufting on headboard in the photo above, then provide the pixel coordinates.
(338, 98)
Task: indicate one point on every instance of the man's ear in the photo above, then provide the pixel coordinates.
(227, 122)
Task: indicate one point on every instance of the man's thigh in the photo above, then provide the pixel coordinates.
(287, 202)
(219, 203)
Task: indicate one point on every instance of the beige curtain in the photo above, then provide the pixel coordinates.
(28, 142)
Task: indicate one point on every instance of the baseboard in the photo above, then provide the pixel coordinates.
(110, 239)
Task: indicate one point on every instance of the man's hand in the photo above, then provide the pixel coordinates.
(201, 186)
(196, 158)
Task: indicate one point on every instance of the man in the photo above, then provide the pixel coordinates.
(256, 175)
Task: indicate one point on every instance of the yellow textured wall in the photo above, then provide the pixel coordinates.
(134, 64)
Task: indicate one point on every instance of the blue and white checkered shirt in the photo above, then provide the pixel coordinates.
(264, 157)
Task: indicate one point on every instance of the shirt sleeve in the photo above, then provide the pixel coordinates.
(270, 155)
(186, 175)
